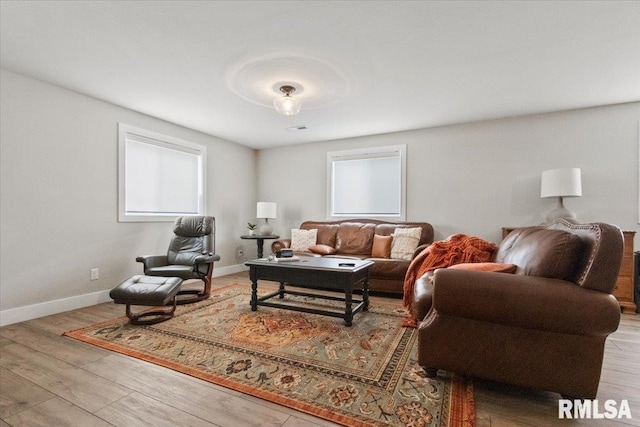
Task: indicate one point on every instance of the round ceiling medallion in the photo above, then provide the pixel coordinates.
(316, 82)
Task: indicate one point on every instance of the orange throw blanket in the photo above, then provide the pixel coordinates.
(456, 249)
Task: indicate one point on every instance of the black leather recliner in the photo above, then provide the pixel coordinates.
(191, 255)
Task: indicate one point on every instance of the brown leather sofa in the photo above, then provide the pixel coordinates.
(353, 238)
(543, 327)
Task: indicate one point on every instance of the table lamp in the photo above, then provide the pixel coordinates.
(564, 182)
(266, 210)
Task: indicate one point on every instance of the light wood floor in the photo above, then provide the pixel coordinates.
(50, 380)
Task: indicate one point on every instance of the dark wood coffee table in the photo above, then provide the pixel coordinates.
(338, 274)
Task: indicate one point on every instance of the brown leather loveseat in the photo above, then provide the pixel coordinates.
(544, 326)
(354, 238)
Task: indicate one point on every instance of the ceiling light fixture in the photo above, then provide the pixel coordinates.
(287, 104)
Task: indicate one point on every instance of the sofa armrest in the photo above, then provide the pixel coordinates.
(521, 301)
(420, 249)
(422, 296)
(280, 244)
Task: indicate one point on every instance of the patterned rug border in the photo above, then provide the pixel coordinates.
(461, 411)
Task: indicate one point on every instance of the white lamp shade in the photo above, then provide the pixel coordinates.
(287, 105)
(266, 210)
(565, 182)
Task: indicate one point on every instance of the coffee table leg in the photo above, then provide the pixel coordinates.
(254, 294)
(365, 296)
(281, 289)
(348, 313)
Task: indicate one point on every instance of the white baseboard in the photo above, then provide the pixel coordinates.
(28, 312)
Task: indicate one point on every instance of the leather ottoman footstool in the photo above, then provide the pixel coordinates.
(152, 291)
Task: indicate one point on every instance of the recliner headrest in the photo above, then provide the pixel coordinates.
(193, 226)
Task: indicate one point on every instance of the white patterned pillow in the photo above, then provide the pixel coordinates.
(301, 240)
(404, 243)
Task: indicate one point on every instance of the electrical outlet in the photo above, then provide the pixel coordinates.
(95, 274)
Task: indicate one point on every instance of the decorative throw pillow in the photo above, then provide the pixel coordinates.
(302, 240)
(322, 249)
(381, 246)
(485, 266)
(404, 243)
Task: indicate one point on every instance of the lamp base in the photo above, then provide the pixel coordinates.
(560, 212)
(266, 230)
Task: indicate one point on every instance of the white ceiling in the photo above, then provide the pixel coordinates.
(367, 67)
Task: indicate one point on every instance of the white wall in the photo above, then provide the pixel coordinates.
(58, 181)
(58, 215)
(476, 178)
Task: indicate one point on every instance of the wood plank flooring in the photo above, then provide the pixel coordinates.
(50, 380)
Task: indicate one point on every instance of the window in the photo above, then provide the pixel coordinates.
(159, 177)
(367, 183)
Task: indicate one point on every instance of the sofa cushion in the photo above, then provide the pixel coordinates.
(322, 249)
(355, 238)
(389, 268)
(405, 241)
(351, 256)
(302, 240)
(539, 251)
(381, 246)
(326, 232)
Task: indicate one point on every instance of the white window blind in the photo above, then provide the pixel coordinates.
(160, 177)
(367, 183)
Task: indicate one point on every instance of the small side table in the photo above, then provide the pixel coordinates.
(260, 240)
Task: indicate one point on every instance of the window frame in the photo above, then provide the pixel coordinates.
(364, 154)
(168, 142)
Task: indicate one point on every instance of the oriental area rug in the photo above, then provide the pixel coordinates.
(364, 375)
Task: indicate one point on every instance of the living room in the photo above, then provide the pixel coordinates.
(60, 160)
